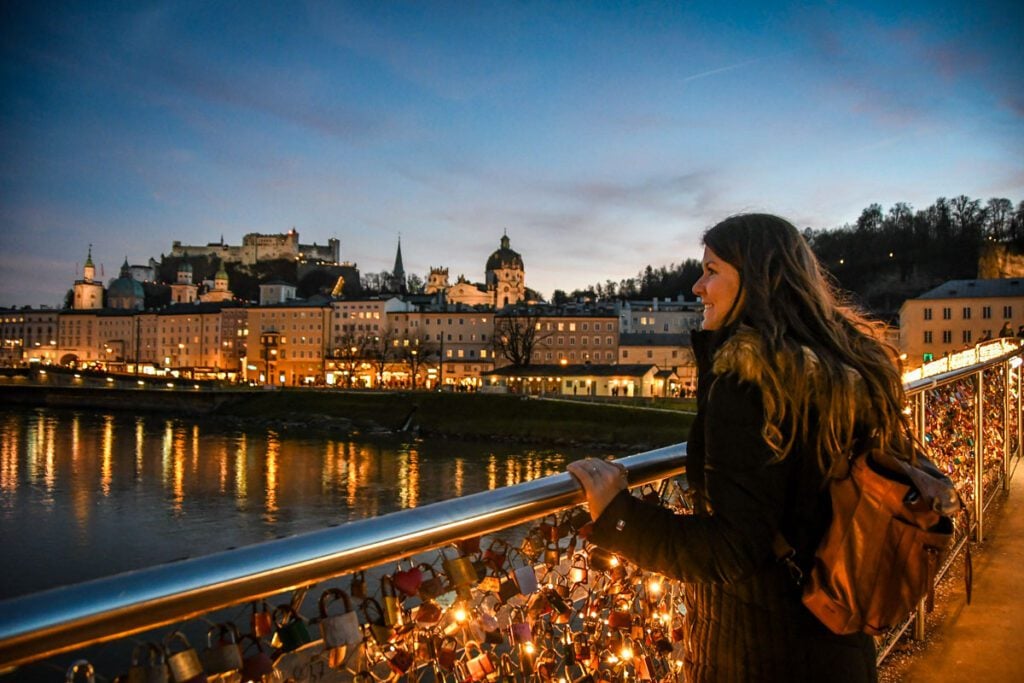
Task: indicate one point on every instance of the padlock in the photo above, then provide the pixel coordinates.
(461, 575)
(579, 572)
(148, 665)
(338, 630)
(519, 630)
(479, 665)
(496, 555)
(561, 607)
(257, 664)
(552, 555)
(291, 629)
(428, 613)
(636, 629)
(577, 519)
(81, 670)
(538, 605)
(548, 529)
(677, 629)
(525, 578)
(507, 588)
(392, 604)
(547, 664)
(261, 623)
(184, 664)
(381, 632)
(432, 585)
(601, 560)
(357, 589)
(620, 617)
(223, 654)
(532, 545)
(448, 653)
(581, 647)
(408, 581)
(399, 659)
(649, 494)
(468, 546)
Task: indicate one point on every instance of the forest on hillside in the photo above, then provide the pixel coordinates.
(882, 259)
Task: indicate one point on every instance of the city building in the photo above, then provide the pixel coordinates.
(257, 247)
(220, 290)
(665, 316)
(40, 340)
(276, 292)
(287, 343)
(671, 352)
(183, 291)
(959, 314)
(504, 281)
(457, 340)
(576, 334)
(125, 292)
(579, 380)
(88, 292)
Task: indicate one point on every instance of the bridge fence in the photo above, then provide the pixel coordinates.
(492, 586)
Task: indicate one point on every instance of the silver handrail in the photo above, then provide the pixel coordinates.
(50, 622)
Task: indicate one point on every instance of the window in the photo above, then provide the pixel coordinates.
(572, 327)
(483, 353)
(1007, 312)
(947, 313)
(928, 337)
(625, 353)
(986, 312)
(967, 336)
(967, 312)
(947, 337)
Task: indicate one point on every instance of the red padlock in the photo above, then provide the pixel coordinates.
(262, 621)
(408, 580)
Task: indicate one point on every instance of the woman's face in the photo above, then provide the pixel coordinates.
(718, 287)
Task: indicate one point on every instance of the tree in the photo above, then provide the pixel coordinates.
(516, 333)
(349, 354)
(559, 297)
(414, 352)
(380, 352)
(414, 283)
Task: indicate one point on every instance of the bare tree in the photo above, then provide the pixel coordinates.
(380, 352)
(415, 351)
(516, 333)
(349, 353)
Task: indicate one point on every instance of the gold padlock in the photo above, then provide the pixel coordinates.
(184, 665)
(460, 572)
(392, 605)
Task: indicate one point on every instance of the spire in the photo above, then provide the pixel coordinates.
(88, 260)
(504, 240)
(399, 271)
(89, 271)
(398, 274)
(126, 270)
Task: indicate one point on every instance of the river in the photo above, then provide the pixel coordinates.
(90, 494)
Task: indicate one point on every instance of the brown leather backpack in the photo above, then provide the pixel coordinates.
(892, 523)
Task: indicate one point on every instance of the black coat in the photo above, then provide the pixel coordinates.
(744, 618)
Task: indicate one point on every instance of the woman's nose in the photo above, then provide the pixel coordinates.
(698, 286)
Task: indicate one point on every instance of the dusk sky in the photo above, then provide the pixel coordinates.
(602, 136)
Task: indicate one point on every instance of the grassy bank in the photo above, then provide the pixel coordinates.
(475, 416)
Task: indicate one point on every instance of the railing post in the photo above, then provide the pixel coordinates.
(1006, 426)
(1018, 416)
(922, 411)
(979, 468)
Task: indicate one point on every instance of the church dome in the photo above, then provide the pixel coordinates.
(124, 287)
(504, 257)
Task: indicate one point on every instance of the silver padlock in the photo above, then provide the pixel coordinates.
(184, 664)
(339, 630)
(222, 655)
(152, 669)
(526, 579)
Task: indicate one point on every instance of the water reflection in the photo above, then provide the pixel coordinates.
(85, 495)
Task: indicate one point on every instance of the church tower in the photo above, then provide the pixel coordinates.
(505, 275)
(88, 292)
(125, 292)
(183, 291)
(398, 283)
(220, 291)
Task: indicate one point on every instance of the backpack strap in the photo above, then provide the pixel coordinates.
(785, 555)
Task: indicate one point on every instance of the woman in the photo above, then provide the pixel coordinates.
(790, 382)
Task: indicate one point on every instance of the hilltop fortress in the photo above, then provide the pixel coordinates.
(256, 247)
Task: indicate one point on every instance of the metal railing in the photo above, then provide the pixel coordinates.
(44, 624)
(54, 621)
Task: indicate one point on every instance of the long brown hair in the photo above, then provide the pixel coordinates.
(794, 307)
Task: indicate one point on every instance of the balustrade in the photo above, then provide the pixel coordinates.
(500, 585)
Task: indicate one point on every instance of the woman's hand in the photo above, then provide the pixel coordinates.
(601, 481)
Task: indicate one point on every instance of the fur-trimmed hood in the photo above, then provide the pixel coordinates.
(743, 354)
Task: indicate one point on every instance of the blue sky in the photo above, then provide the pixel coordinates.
(602, 136)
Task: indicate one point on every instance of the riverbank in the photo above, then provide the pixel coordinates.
(374, 414)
